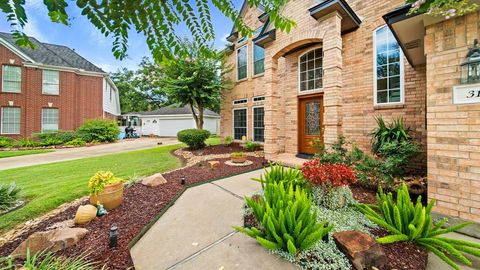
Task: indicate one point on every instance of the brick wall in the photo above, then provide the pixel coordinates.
(80, 98)
(348, 80)
(453, 130)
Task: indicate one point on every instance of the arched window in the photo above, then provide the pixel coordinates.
(388, 68)
(311, 70)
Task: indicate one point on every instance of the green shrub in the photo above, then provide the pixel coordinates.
(9, 195)
(194, 138)
(252, 146)
(62, 136)
(6, 142)
(102, 130)
(286, 218)
(278, 173)
(76, 142)
(412, 222)
(386, 133)
(228, 140)
(48, 261)
(50, 142)
(26, 143)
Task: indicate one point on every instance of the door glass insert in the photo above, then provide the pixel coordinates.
(312, 117)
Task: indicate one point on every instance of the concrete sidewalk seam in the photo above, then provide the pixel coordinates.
(228, 191)
(198, 253)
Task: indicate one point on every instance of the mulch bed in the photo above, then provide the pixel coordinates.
(141, 205)
(218, 149)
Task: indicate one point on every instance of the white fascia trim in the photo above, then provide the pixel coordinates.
(15, 50)
(67, 69)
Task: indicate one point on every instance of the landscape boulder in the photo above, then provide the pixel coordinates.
(53, 241)
(362, 249)
(214, 164)
(154, 180)
(85, 214)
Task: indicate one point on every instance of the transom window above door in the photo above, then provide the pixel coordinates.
(388, 68)
(311, 70)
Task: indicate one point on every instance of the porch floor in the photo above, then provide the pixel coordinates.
(288, 159)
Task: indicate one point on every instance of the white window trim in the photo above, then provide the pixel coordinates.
(58, 119)
(253, 124)
(43, 90)
(1, 122)
(21, 81)
(402, 73)
(298, 75)
(233, 123)
(253, 61)
(253, 98)
(242, 99)
(236, 63)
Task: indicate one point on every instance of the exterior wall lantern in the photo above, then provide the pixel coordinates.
(471, 66)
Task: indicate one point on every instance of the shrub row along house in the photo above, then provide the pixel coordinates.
(50, 88)
(348, 61)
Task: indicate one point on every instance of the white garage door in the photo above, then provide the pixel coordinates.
(172, 127)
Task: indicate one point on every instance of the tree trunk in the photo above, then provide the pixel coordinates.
(198, 118)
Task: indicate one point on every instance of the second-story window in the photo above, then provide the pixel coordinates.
(258, 59)
(51, 82)
(11, 79)
(242, 63)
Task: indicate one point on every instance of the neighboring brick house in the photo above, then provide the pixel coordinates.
(346, 62)
(50, 88)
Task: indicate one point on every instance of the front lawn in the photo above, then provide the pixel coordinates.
(6, 154)
(50, 185)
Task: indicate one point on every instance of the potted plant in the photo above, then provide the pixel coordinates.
(238, 157)
(107, 189)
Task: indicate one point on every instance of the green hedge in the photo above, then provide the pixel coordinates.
(194, 138)
(100, 130)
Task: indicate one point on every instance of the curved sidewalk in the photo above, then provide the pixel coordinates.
(83, 152)
(196, 233)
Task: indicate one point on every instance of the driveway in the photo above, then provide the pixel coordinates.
(83, 152)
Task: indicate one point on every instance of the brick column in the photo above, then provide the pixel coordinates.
(332, 77)
(272, 101)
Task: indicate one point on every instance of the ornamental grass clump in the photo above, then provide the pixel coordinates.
(286, 219)
(412, 222)
(9, 196)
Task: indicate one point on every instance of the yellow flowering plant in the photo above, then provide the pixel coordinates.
(101, 179)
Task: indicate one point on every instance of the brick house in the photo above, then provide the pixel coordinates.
(346, 62)
(50, 88)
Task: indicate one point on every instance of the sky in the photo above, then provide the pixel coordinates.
(82, 36)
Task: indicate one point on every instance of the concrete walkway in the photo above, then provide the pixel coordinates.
(196, 233)
(83, 152)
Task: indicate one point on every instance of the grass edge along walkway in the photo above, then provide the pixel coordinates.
(47, 186)
(17, 153)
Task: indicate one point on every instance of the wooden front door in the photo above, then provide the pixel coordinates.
(310, 124)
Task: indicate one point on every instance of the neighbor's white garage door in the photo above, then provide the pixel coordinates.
(172, 127)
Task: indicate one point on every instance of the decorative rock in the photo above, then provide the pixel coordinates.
(362, 249)
(53, 241)
(246, 163)
(85, 214)
(214, 164)
(154, 180)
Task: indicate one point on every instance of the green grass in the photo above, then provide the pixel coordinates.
(6, 154)
(49, 185)
(214, 140)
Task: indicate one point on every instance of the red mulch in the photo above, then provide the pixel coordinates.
(218, 149)
(141, 204)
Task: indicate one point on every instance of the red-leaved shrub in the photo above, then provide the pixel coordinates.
(327, 174)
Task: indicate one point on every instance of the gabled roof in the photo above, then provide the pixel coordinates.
(234, 33)
(51, 54)
(172, 110)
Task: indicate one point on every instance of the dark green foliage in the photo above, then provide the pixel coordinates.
(101, 130)
(412, 222)
(6, 142)
(76, 142)
(194, 138)
(396, 157)
(9, 195)
(286, 218)
(26, 143)
(252, 146)
(62, 136)
(277, 173)
(386, 133)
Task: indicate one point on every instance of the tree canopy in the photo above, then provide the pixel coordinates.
(443, 8)
(156, 20)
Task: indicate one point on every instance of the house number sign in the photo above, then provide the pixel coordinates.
(466, 94)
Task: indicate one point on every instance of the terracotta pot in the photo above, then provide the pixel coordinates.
(238, 159)
(111, 197)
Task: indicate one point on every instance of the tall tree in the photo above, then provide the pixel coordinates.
(443, 8)
(156, 20)
(197, 80)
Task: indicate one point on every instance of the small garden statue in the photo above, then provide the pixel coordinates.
(101, 211)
